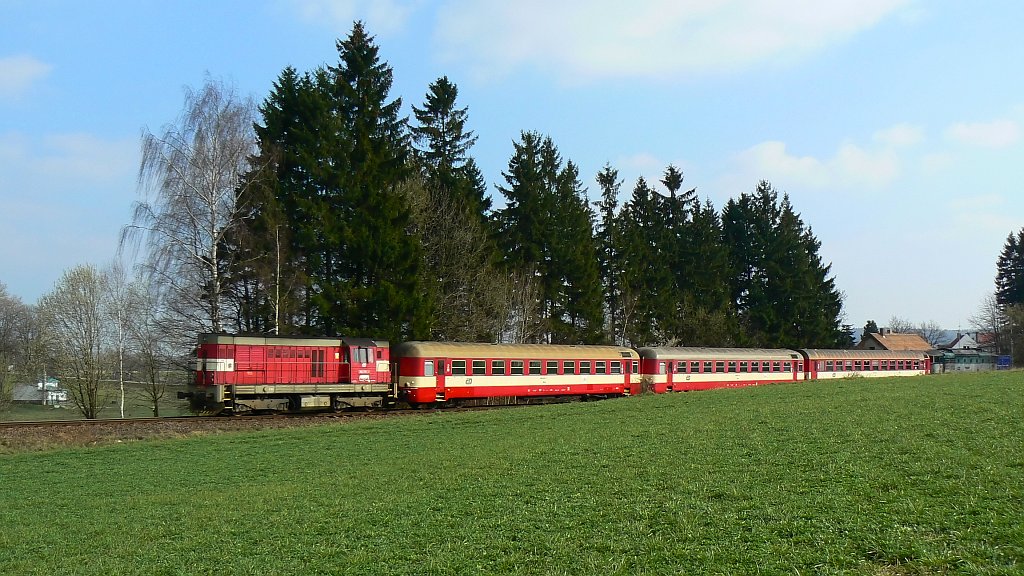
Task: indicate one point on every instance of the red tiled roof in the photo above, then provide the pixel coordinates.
(901, 341)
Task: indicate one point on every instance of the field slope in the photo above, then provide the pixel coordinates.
(909, 476)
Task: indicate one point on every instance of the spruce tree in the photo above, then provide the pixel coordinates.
(783, 292)
(450, 204)
(1010, 271)
(546, 232)
(870, 327)
(607, 239)
(342, 158)
(442, 148)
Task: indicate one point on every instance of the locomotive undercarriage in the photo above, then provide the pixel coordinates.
(285, 398)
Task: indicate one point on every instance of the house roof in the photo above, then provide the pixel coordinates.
(901, 341)
(961, 341)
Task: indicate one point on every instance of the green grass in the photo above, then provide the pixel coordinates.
(135, 406)
(909, 476)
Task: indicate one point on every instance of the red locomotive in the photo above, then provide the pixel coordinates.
(244, 373)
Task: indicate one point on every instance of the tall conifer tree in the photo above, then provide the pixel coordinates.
(546, 229)
(1010, 270)
(782, 291)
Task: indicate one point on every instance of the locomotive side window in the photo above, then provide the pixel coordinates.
(458, 367)
(534, 366)
(479, 367)
(552, 366)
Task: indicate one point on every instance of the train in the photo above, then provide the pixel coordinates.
(245, 374)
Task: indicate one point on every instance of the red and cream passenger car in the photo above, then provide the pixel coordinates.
(429, 372)
(689, 368)
(823, 364)
(242, 373)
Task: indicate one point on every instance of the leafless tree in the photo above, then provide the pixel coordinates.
(72, 315)
(901, 326)
(519, 318)
(150, 351)
(17, 324)
(991, 318)
(468, 290)
(932, 332)
(190, 180)
(122, 307)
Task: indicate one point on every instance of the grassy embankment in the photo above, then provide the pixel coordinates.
(911, 476)
(136, 405)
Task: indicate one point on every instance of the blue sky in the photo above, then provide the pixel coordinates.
(894, 125)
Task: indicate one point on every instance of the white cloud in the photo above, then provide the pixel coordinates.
(995, 134)
(851, 167)
(900, 135)
(587, 39)
(381, 16)
(19, 73)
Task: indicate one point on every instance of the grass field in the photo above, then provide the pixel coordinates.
(909, 476)
(135, 406)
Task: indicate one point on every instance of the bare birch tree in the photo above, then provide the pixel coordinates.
(72, 315)
(121, 306)
(190, 180)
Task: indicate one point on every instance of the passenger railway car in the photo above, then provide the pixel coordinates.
(435, 372)
(824, 364)
(244, 373)
(683, 369)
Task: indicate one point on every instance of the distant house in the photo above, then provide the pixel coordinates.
(963, 354)
(961, 342)
(886, 340)
(47, 393)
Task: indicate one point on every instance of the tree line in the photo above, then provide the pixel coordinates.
(322, 210)
(352, 219)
